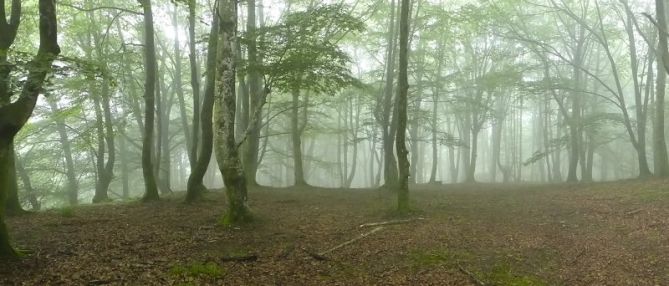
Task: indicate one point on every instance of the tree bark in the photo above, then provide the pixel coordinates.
(150, 65)
(195, 83)
(298, 167)
(226, 148)
(659, 142)
(14, 116)
(403, 90)
(195, 186)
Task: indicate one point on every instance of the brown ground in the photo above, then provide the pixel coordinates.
(599, 234)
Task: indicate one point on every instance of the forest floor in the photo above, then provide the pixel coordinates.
(593, 234)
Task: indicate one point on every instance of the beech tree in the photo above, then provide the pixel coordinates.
(14, 115)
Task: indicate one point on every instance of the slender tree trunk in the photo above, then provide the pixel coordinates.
(195, 84)
(71, 173)
(195, 186)
(27, 184)
(150, 65)
(390, 163)
(403, 90)
(178, 88)
(435, 130)
(298, 167)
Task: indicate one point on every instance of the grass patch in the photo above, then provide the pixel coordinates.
(653, 195)
(502, 274)
(66, 211)
(198, 269)
(425, 259)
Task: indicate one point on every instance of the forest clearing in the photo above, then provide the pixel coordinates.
(566, 234)
(334, 142)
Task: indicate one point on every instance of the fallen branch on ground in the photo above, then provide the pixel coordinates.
(471, 275)
(322, 255)
(634, 212)
(390, 222)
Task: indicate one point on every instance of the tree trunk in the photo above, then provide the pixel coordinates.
(226, 148)
(178, 88)
(150, 65)
(659, 143)
(14, 116)
(298, 167)
(390, 163)
(7, 36)
(403, 90)
(27, 184)
(195, 84)
(71, 173)
(195, 186)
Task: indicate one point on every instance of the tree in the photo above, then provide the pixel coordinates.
(659, 142)
(13, 116)
(195, 186)
(402, 92)
(150, 65)
(8, 32)
(227, 152)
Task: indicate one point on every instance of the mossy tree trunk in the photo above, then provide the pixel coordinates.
(8, 32)
(13, 116)
(227, 151)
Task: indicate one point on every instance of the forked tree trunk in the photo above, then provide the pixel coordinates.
(195, 186)
(14, 116)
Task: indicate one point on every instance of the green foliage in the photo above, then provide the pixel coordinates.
(301, 51)
(198, 269)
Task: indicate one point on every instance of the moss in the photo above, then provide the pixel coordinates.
(422, 259)
(502, 274)
(198, 269)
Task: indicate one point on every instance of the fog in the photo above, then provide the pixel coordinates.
(119, 101)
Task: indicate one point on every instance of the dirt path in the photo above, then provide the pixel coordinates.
(600, 234)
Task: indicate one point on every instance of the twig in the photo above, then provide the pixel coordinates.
(390, 222)
(352, 240)
(471, 275)
(322, 255)
(103, 282)
(315, 255)
(242, 258)
(634, 212)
